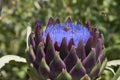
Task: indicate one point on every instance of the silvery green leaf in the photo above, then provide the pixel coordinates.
(113, 63)
(117, 75)
(8, 58)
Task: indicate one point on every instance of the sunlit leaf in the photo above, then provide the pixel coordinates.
(8, 58)
(27, 34)
(113, 63)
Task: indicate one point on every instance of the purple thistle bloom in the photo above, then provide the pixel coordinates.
(65, 51)
(69, 31)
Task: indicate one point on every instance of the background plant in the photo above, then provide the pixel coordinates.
(16, 15)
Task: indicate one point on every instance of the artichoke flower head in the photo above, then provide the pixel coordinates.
(65, 51)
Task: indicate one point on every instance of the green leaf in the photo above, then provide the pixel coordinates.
(103, 66)
(117, 75)
(64, 75)
(33, 73)
(85, 77)
(28, 32)
(113, 63)
(110, 69)
(8, 58)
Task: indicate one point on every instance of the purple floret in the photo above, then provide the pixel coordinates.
(69, 30)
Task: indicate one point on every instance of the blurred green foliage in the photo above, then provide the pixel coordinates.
(16, 15)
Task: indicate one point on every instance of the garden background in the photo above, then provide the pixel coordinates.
(17, 15)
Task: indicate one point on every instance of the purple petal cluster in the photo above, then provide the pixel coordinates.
(65, 51)
(68, 30)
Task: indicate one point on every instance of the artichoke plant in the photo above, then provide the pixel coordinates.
(65, 51)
